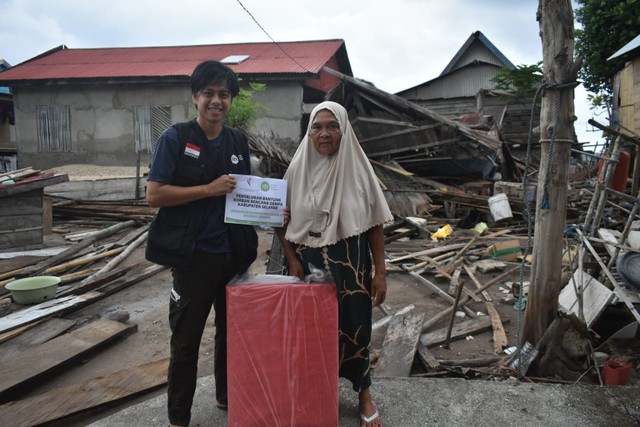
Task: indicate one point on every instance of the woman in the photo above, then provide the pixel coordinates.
(337, 211)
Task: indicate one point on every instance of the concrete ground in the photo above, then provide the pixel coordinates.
(409, 402)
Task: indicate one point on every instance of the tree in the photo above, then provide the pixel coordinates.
(244, 111)
(607, 25)
(556, 132)
(521, 80)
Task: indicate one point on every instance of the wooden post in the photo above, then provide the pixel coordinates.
(556, 123)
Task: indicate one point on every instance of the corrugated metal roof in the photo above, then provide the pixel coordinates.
(632, 45)
(301, 57)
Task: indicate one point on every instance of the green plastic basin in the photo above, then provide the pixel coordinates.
(32, 290)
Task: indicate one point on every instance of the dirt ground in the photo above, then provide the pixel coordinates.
(147, 305)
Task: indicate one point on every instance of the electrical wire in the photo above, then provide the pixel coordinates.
(271, 38)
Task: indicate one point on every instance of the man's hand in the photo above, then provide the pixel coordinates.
(220, 186)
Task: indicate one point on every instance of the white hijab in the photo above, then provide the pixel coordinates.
(333, 197)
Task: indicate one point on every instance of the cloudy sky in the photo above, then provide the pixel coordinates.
(394, 44)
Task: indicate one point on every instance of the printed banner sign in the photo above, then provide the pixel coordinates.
(257, 201)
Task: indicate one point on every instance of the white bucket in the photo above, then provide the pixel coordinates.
(499, 206)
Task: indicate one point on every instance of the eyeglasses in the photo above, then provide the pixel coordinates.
(317, 129)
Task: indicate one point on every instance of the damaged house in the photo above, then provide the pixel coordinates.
(107, 106)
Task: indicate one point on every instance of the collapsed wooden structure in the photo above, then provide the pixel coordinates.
(462, 270)
(421, 141)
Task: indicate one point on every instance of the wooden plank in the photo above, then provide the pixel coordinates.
(474, 279)
(56, 404)
(399, 347)
(6, 336)
(460, 330)
(614, 282)
(596, 296)
(428, 359)
(24, 369)
(35, 183)
(72, 250)
(436, 318)
(440, 292)
(500, 340)
(612, 236)
(67, 304)
(382, 322)
(428, 252)
(36, 336)
(45, 309)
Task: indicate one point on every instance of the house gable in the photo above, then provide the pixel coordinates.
(471, 68)
(99, 103)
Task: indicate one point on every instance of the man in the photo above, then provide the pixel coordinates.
(188, 180)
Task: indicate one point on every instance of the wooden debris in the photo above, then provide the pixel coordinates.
(460, 330)
(57, 404)
(435, 319)
(36, 336)
(439, 292)
(452, 318)
(37, 268)
(399, 347)
(500, 340)
(23, 369)
(382, 322)
(428, 359)
(67, 304)
(621, 294)
(595, 297)
(117, 260)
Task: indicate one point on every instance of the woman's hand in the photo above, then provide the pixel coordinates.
(287, 215)
(296, 269)
(378, 289)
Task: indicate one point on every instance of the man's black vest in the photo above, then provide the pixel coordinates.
(174, 230)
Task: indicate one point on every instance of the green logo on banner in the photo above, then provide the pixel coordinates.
(264, 186)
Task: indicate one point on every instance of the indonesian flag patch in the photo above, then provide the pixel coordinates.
(192, 150)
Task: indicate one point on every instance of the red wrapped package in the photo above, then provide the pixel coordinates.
(282, 348)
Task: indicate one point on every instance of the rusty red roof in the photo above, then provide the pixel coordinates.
(302, 57)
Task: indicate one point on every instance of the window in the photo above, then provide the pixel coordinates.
(149, 123)
(54, 128)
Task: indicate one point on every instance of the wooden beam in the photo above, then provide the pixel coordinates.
(399, 347)
(461, 330)
(60, 403)
(24, 369)
(36, 336)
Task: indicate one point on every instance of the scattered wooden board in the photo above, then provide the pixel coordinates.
(500, 340)
(612, 236)
(596, 296)
(399, 347)
(428, 359)
(60, 403)
(67, 304)
(35, 312)
(21, 370)
(459, 331)
(36, 336)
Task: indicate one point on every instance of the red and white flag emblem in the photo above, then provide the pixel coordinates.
(192, 150)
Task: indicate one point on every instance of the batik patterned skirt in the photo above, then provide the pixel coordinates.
(349, 262)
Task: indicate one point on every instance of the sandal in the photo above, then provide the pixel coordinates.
(371, 417)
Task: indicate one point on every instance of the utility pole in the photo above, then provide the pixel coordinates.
(556, 22)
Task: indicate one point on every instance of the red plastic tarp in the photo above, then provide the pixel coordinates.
(282, 348)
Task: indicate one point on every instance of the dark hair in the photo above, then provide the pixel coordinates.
(208, 73)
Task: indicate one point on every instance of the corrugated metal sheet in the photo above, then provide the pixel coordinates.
(264, 58)
(629, 47)
(463, 82)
